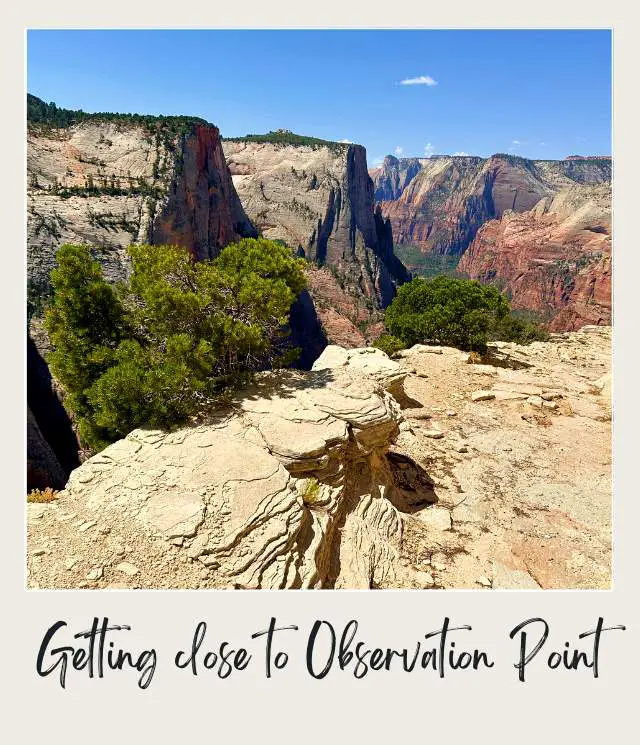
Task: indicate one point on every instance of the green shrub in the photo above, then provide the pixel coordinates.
(50, 115)
(388, 344)
(457, 312)
(160, 349)
(286, 137)
(444, 310)
(518, 330)
(311, 492)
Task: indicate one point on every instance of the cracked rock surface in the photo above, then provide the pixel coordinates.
(290, 487)
(326, 480)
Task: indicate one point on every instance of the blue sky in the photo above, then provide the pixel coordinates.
(540, 94)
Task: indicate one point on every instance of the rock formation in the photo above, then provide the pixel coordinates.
(539, 229)
(554, 259)
(291, 487)
(439, 203)
(496, 474)
(108, 182)
(318, 199)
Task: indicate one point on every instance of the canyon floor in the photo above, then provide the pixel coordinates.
(517, 444)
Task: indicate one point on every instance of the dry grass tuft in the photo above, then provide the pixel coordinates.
(42, 495)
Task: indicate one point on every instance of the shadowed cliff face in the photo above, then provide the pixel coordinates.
(202, 211)
(319, 200)
(307, 332)
(52, 447)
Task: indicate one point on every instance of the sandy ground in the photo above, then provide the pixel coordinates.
(523, 483)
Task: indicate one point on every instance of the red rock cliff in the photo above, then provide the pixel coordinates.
(439, 203)
(554, 259)
(203, 211)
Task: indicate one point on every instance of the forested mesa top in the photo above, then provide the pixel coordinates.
(50, 115)
(287, 137)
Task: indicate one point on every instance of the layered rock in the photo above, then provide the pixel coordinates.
(554, 259)
(319, 480)
(318, 199)
(347, 318)
(110, 182)
(291, 487)
(541, 230)
(439, 203)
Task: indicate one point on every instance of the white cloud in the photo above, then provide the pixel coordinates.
(398, 151)
(346, 142)
(542, 144)
(461, 152)
(516, 142)
(421, 80)
(429, 150)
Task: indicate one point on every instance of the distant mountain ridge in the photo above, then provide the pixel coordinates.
(469, 207)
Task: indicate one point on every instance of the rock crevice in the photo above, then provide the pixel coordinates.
(291, 487)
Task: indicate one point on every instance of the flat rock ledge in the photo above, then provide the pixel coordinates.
(292, 486)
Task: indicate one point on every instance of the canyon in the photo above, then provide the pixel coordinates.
(317, 197)
(435, 469)
(109, 180)
(541, 230)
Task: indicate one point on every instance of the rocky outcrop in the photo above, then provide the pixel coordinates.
(108, 182)
(292, 487)
(522, 463)
(52, 447)
(495, 474)
(318, 199)
(554, 259)
(43, 468)
(438, 204)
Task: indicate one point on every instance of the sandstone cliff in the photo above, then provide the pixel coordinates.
(541, 230)
(554, 259)
(318, 199)
(439, 203)
(109, 181)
